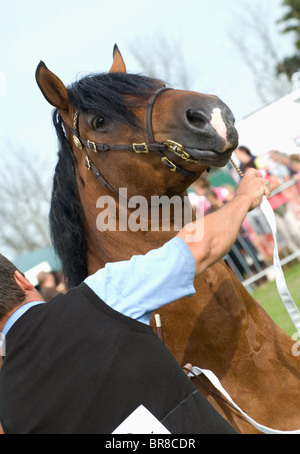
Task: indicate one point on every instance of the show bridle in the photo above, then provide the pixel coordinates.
(139, 148)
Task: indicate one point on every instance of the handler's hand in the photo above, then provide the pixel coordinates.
(253, 187)
(187, 368)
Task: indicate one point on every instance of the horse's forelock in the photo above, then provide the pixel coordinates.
(112, 94)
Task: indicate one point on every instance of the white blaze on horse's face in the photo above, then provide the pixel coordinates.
(218, 124)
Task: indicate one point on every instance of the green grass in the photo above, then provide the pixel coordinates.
(267, 296)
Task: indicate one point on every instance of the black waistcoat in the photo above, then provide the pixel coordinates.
(75, 365)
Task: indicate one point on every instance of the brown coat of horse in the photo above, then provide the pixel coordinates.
(222, 327)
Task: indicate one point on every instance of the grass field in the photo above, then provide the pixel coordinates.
(267, 296)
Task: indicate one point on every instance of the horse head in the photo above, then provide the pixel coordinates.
(129, 131)
(185, 131)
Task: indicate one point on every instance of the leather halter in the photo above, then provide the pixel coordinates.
(139, 148)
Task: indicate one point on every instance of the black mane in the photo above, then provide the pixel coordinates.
(104, 94)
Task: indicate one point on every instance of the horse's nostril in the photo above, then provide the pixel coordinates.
(197, 118)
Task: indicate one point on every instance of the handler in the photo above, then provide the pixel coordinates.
(87, 360)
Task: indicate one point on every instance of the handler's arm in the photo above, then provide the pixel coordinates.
(221, 228)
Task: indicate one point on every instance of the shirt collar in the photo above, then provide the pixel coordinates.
(17, 314)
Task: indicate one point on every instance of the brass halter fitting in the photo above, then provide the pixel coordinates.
(77, 142)
(177, 149)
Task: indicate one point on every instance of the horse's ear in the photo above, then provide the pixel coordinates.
(118, 65)
(52, 88)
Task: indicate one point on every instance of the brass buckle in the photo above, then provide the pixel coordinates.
(169, 164)
(176, 148)
(92, 146)
(145, 150)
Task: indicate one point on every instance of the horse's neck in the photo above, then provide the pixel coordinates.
(135, 232)
(121, 246)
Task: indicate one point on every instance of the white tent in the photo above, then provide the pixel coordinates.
(274, 127)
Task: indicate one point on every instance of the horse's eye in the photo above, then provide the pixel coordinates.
(99, 122)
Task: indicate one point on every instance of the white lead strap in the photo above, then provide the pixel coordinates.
(280, 280)
(279, 276)
(215, 381)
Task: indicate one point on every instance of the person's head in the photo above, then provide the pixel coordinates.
(213, 199)
(15, 289)
(46, 280)
(201, 185)
(280, 157)
(295, 163)
(243, 154)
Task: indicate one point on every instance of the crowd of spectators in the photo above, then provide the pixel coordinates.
(255, 242)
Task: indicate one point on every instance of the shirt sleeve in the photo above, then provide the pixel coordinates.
(144, 283)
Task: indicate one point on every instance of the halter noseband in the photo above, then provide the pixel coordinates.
(139, 148)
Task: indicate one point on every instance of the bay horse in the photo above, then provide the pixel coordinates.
(221, 327)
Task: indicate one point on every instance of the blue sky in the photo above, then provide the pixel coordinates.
(75, 38)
